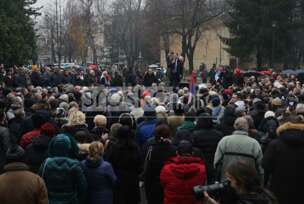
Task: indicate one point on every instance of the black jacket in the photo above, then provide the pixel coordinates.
(126, 161)
(206, 141)
(160, 152)
(284, 161)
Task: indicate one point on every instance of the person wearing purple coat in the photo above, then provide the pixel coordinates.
(100, 176)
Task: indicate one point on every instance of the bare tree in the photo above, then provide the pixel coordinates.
(126, 28)
(185, 18)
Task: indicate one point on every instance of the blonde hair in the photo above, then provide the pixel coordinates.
(96, 150)
(76, 118)
(100, 121)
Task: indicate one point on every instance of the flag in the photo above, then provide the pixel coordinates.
(192, 87)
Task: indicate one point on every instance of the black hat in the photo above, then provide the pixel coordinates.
(184, 147)
(15, 154)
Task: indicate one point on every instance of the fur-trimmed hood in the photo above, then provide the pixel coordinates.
(290, 126)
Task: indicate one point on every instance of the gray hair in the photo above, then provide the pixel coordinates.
(241, 124)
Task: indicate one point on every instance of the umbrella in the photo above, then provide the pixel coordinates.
(153, 66)
(289, 72)
(251, 73)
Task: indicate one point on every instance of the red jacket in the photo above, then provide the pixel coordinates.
(178, 178)
(27, 138)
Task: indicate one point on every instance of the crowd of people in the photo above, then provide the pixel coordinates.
(244, 130)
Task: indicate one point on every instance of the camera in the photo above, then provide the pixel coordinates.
(210, 189)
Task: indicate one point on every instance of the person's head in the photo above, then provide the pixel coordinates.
(127, 119)
(241, 124)
(204, 121)
(184, 148)
(114, 129)
(60, 146)
(125, 133)
(162, 133)
(37, 120)
(100, 121)
(149, 113)
(243, 177)
(48, 129)
(250, 122)
(15, 154)
(96, 150)
(190, 115)
(76, 118)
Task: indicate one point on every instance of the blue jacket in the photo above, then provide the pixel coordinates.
(101, 179)
(145, 131)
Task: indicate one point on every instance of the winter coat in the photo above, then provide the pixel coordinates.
(126, 161)
(149, 79)
(156, 156)
(63, 176)
(101, 179)
(145, 131)
(284, 161)
(178, 178)
(260, 197)
(238, 146)
(227, 121)
(5, 142)
(206, 140)
(18, 185)
(37, 152)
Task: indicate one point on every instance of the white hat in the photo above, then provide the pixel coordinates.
(160, 109)
(240, 106)
(269, 114)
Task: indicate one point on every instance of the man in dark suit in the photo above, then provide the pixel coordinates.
(175, 69)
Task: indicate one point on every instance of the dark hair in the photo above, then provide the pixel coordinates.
(162, 132)
(125, 136)
(204, 121)
(37, 120)
(127, 119)
(185, 148)
(245, 175)
(190, 115)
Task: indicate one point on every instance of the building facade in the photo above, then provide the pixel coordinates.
(209, 50)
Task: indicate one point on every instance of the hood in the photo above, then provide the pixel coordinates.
(60, 146)
(185, 167)
(290, 126)
(291, 133)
